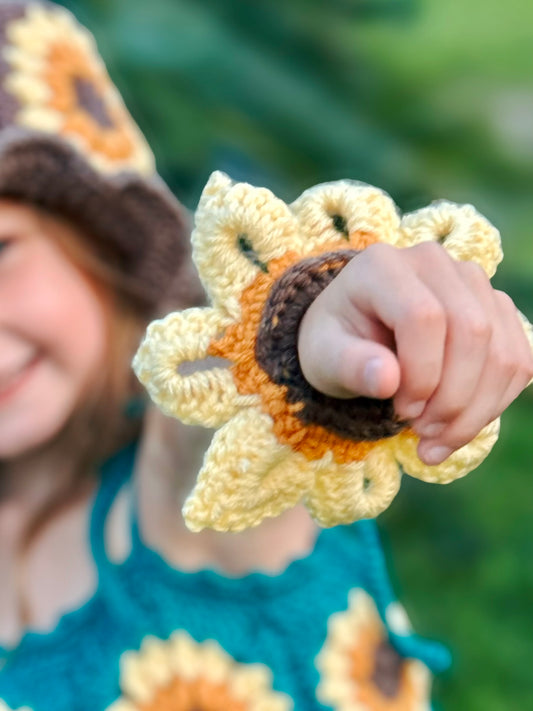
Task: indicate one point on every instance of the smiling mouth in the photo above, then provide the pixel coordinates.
(10, 382)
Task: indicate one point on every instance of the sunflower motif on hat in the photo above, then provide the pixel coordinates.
(62, 87)
(361, 671)
(5, 707)
(183, 675)
(280, 441)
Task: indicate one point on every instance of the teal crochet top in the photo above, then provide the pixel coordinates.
(325, 633)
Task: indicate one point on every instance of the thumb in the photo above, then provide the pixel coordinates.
(343, 365)
(367, 368)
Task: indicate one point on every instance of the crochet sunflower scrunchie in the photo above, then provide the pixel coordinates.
(279, 441)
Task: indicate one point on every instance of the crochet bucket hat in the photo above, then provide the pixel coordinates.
(69, 145)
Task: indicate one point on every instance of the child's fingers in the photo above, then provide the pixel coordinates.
(466, 294)
(508, 368)
(384, 286)
(416, 325)
(522, 348)
(485, 406)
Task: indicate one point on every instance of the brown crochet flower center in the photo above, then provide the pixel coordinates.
(388, 669)
(380, 676)
(90, 100)
(357, 419)
(78, 93)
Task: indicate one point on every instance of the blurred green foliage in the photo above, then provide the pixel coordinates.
(427, 99)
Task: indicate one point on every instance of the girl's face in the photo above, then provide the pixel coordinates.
(53, 330)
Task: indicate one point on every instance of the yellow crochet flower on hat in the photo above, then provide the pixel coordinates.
(361, 671)
(279, 441)
(62, 87)
(182, 675)
(5, 707)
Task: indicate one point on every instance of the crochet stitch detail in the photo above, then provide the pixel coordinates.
(276, 444)
(61, 87)
(359, 668)
(68, 145)
(182, 675)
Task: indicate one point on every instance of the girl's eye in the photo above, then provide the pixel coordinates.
(4, 244)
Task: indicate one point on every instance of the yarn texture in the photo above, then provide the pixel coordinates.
(279, 441)
(354, 649)
(153, 637)
(69, 146)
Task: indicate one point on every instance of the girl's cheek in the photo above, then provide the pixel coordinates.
(60, 313)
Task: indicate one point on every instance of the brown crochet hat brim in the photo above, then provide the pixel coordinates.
(134, 224)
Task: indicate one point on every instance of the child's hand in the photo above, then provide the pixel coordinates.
(431, 332)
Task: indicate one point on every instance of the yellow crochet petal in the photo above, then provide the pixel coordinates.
(28, 89)
(180, 673)
(247, 476)
(343, 493)
(24, 35)
(22, 61)
(460, 463)
(466, 235)
(239, 229)
(340, 211)
(41, 119)
(204, 397)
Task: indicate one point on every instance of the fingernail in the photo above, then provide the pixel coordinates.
(371, 375)
(436, 455)
(414, 410)
(431, 430)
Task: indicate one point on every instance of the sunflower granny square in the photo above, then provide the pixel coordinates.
(278, 440)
